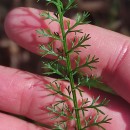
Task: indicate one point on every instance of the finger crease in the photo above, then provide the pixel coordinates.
(122, 54)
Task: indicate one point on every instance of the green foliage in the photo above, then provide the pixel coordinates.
(61, 109)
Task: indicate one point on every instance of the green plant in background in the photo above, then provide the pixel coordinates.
(61, 110)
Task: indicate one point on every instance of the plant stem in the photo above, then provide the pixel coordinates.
(69, 69)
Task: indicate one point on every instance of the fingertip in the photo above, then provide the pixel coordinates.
(22, 16)
(20, 26)
(8, 122)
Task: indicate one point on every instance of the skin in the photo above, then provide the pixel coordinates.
(25, 94)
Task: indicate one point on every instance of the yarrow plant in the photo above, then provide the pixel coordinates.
(63, 113)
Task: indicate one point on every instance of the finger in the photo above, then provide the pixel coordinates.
(25, 94)
(12, 123)
(111, 48)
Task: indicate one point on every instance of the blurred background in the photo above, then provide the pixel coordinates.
(110, 14)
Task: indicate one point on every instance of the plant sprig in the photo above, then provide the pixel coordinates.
(61, 109)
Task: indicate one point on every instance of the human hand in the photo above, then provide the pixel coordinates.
(24, 93)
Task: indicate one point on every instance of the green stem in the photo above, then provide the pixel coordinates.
(69, 69)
